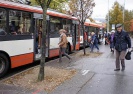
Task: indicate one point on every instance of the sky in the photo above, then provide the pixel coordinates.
(101, 8)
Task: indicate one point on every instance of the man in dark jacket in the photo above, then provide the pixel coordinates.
(122, 42)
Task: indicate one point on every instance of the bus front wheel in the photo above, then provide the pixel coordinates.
(4, 64)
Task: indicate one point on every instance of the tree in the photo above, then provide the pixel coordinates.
(116, 16)
(26, 2)
(127, 20)
(92, 20)
(44, 4)
(58, 5)
(82, 9)
(34, 2)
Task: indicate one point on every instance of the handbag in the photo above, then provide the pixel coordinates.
(128, 56)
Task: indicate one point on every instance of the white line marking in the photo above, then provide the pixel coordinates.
(84, 72)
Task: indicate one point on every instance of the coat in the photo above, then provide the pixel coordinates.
(121, 41)
(63, 41)
(94, 39)
(111, 41)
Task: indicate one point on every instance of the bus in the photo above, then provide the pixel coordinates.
(20, 34)
(89, 27)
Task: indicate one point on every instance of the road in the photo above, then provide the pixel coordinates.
(97, 76)
(105, 79)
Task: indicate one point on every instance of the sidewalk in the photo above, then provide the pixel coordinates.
(11, 89)
(100, 76)
(69, 84)
(95, 75)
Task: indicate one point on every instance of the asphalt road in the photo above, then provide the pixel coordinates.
(97, 76)
(105, 79)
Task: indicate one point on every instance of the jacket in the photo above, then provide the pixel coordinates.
(94, 39)
(63, 41)
(121, 41)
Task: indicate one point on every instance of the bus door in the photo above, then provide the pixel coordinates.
(38, 23)
(75, 35)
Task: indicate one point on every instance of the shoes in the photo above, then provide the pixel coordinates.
(113, 51)
(116, 69)
(91, 51)
(60, 61)
(123, 69)
(70, 60)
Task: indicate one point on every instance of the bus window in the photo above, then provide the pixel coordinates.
(2, 22)
(67, 26)
(55, 26)
(19, 22)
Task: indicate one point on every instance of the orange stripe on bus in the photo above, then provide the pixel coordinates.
(77, 46)
(53, 52)
(21, 60)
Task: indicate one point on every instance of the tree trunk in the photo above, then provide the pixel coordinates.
(83, 38)
(43, 46)
(82, 24)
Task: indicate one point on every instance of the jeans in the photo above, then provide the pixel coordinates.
(94, 45)
(63, 51)
(120, 56)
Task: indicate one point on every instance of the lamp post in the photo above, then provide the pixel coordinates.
(123, 13)
(108, 18)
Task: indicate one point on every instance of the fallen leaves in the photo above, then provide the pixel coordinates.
(91, 55)
(53, 78)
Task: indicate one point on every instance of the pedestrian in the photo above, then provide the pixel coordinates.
(111, 37)
(106, 38)
(122, 42)
(63, 45)
(94, 42)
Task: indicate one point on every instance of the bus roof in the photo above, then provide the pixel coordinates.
(17, 6)
(93, 24)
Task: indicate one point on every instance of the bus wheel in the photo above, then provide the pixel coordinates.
(4, 64)
(68, 50)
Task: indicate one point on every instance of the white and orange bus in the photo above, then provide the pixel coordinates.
(89, 27)
(20, 34)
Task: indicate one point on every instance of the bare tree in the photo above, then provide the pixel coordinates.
(44, 4)
(82, 9)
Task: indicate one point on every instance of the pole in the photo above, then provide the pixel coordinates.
(108, 18)
(123, 13)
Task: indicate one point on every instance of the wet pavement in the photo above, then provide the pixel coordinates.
(100, 78)
(95, 75)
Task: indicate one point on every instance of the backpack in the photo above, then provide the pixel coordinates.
(97, 39)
